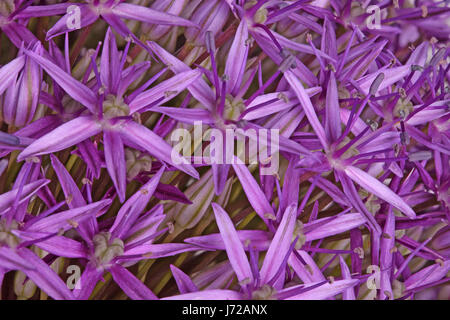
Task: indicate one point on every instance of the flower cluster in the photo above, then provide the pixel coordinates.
(105, 195)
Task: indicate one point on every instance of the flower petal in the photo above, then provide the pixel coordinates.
(44, 277)
(132, 287)
(379, 189)
(279, 247)
(73, 87)
(233, 245)
(184, 283)
(144, 14)
(115, 161)
(156, 146)
(64, 136)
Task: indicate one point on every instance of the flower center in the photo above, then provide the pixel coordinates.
(233, 108)
(105, 249)
(115, 107)
(7, 238)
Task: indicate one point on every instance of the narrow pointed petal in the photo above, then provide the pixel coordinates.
(167, 90)
(379, 189)
(68, 186)
(87, 282)
(257, 239)
(428, 275)
(140, 13)
(65, 136)
(391, 76)
(9, 72)
(325, 291)
(280, 245)
(186, 115)
(233, 245)
(64, 25)
(309, 272)
(43, 11)
(327, 227)
(68, 219)
(135, 205)
(333, 121)
(386, 256)
(19, 34)
(110, 63)
(307, 107)
(73, 87)
(348, 294)
(132, 286)
(45, 278)
(157, 147)
(237, 57)
(184, 283)
(220, 174)
(7, 199)
(199, 89)
(154, 251)
(253, 191)
(57, 245)
(115, 161)
(9, 259)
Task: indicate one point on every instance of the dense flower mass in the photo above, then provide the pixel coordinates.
(225, 149)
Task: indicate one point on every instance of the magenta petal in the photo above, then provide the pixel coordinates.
(327, 227)
(166, 90)
(186, 115)
(153, 251)
(87, 17)
(325, 291)
(87, 282)
(156, 146)
(57, 245)
(135, 205)
(233, 245)
(132, 287)
(7, 199)
(348, 294)
(379, 189)
(115, 161)
(144, 14)
(184, 283)
(199, 89)
(307, 107)
(68, 186)
(9, 259)
(253, 191)
(45, 278)
(9, 72)
(64, 136)
(67, 219)
(257, 239)
(333, 121)
(110, 63)
(73, 87)
(279, 247)
(237, 57)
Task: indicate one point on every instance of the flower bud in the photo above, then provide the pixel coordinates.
(21, 98)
